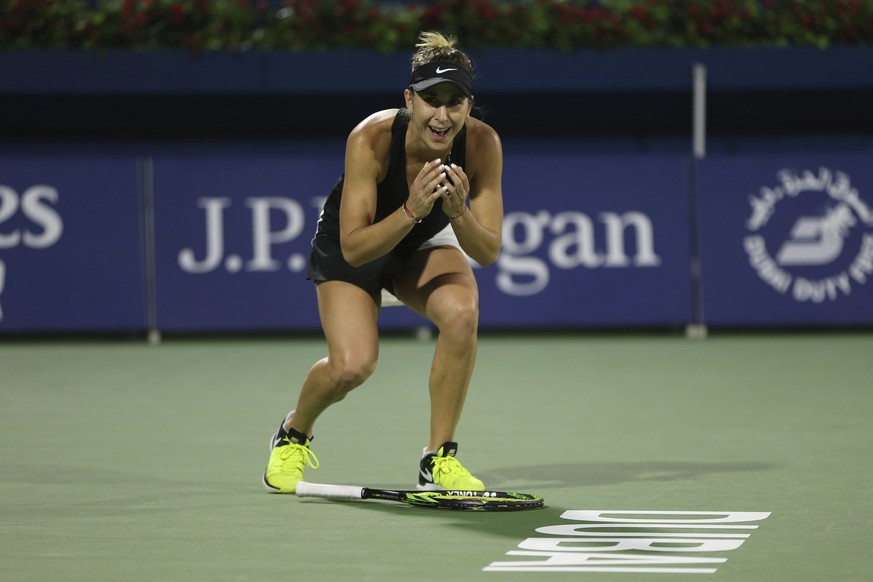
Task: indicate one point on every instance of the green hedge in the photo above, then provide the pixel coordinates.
(393, 26)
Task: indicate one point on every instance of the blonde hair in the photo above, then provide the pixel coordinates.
(433, 46)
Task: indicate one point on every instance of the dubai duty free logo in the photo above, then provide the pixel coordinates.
(810, 236)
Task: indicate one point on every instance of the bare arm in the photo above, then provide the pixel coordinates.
(479, 230)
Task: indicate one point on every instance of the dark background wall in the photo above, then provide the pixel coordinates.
(635, 100)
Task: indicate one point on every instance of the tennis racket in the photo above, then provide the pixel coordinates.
(457, 500)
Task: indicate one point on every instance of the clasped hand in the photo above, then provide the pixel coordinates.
(438, 180)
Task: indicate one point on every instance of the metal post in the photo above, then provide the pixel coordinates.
(697, 329)
(699, 111)
(146, 169)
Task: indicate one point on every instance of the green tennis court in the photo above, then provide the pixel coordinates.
(125, 461)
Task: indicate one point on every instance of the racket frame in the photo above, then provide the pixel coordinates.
(458, 500)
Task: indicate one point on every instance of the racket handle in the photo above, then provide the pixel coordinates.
(305, 489)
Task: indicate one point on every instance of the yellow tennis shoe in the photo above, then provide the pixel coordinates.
(289, 455)
(441, 470)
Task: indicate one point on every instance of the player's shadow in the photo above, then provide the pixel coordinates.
(515, 525)
(593, 474)
(538, 478)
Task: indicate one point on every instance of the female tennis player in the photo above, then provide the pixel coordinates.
(398, 219)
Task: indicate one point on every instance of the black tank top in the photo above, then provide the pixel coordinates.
(393, 191)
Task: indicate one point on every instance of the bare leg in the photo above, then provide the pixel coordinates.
(348, 317)
(440, 285)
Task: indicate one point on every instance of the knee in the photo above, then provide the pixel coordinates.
(349, 372)
(459, 318)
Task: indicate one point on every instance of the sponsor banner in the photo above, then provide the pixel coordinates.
(71, 254)
(587, 241)
(232, 241)
(232, 238)
(591, 241)
(786, 239)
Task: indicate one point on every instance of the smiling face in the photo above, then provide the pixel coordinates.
(438, 114)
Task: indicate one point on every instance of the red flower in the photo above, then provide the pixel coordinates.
(639, 12)
(177, 13)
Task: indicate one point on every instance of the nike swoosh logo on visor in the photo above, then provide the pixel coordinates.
(440, 71)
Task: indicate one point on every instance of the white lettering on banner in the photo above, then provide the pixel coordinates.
(633, 542)
(615, 229)
(813, 241)
(766, 267)
(263, 238)
(214, 238)
(37, 204)
(578, 241)
(817, 290)
(574, 245)
(863, 263)
(8, 207)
